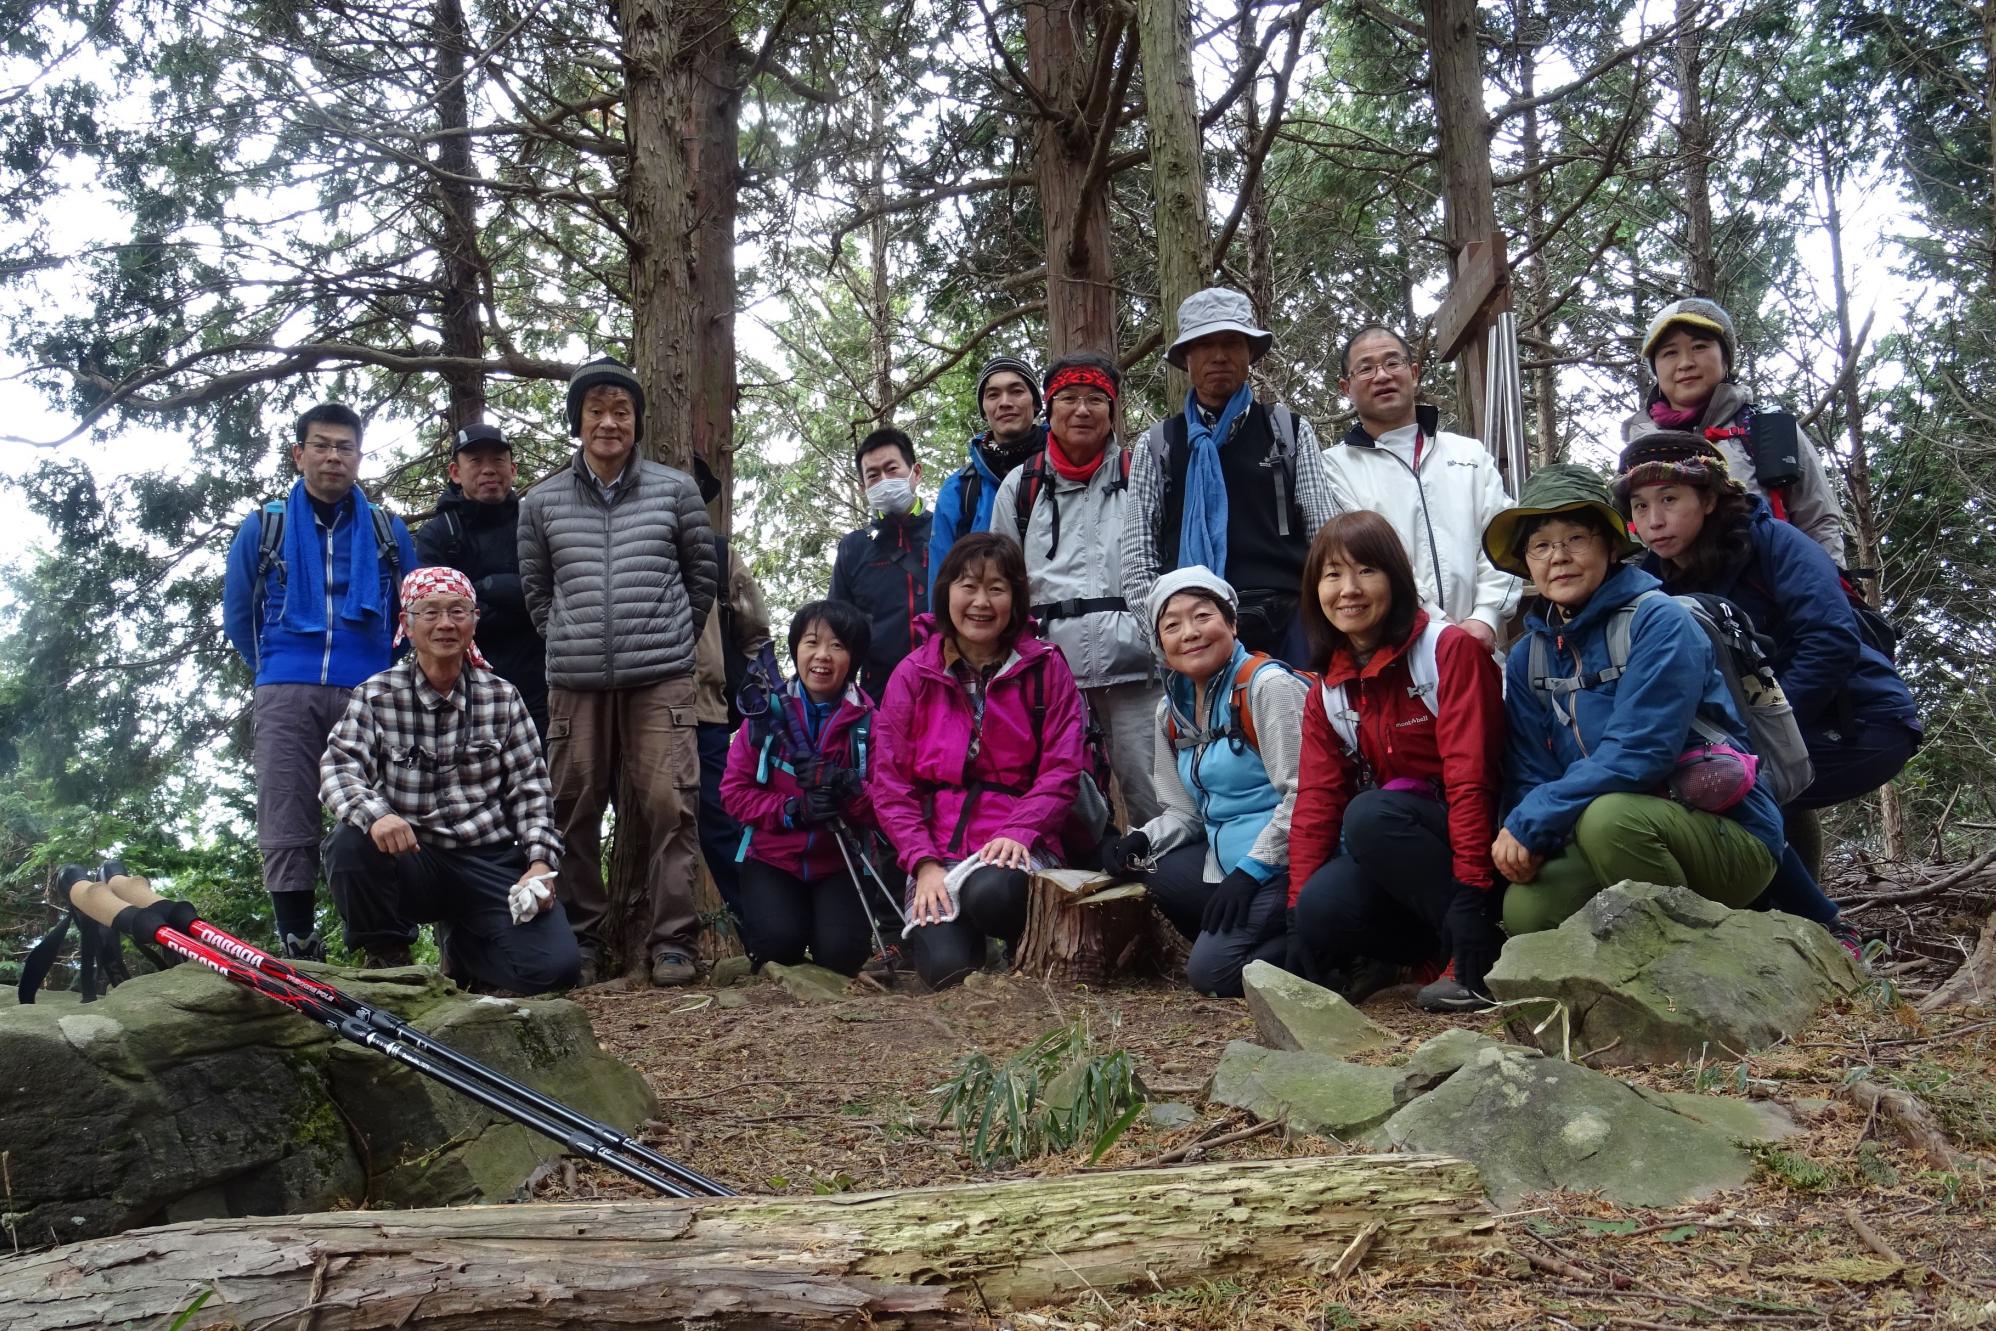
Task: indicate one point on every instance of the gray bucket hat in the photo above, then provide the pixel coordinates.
(1217, 310)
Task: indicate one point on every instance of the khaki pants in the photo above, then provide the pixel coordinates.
(648, 733)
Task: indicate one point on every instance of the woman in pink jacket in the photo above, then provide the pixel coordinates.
(978, 755)
(796, 889)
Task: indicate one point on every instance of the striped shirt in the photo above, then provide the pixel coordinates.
(464, 768)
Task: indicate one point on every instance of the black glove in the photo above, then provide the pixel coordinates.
(1120, 854)
(1473, 935)
(821, 804)
(1227, 908)
(844, 782)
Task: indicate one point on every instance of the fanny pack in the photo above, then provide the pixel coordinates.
(1711, 777)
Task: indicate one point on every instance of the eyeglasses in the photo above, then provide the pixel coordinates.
(325, 450)
(1393, 364)
(1539, 551)
(1092, 401)
(457, 614)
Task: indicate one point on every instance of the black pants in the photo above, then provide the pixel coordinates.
(1178, 885)
(1392, 895)
(785, 915)
(720, 835)
(1845, 769)
(381, 898)
(991, 904)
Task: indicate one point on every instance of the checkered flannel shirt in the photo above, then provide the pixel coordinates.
(1143, 562)
(464, 768)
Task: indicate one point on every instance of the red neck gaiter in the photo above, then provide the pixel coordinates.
(1071, 471)
(1675, 418)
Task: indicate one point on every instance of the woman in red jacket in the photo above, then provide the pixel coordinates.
(1389, 848)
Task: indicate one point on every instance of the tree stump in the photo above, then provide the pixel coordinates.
(928, 1257)
(1082, 927)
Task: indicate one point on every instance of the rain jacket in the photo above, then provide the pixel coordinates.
(1074, 555)
(1795, 596)
(760, 779)
(1459, 746)
(1630, 729)
(951, 523)
(947, 781)
(883, 568)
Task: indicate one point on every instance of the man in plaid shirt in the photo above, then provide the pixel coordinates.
(445, 815)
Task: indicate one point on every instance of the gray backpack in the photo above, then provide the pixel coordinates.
(1744, 663)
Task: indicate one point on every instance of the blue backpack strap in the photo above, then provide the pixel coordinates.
(269, 555)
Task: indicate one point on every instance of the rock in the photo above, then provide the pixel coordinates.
(1293, 1014)
(1170, 1114)
(1310, 1092)
(1742, 1120)
(1658, 974)
(730, 998)
(728, 971)
(1439, 1059)
(807, 983)
(180, 1096)
(1529, 1123)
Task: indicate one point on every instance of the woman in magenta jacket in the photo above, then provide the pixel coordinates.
(978, 754)
(796, 889)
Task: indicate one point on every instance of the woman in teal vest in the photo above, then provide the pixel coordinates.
(1228, 742)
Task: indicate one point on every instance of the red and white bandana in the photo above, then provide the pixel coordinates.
(437, 581)
(1082, 376)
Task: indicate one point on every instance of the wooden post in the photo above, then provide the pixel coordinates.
(928, 1257)
(1081, 927)
(1481, 291)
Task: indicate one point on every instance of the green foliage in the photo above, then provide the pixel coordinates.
(1053, 1095)
(1792, 1170)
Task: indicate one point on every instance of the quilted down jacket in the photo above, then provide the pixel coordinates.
(620, 588)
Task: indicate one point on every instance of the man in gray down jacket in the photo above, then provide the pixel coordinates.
(618, 564)
(1065, 504)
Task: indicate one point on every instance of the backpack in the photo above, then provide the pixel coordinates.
(1240, 725)
(270, 555)
(1427, 686)
(1037, 476)
(1282, 422)
(1744, 662)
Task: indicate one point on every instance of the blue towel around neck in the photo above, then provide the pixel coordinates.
(1202, 532)
(305, 566)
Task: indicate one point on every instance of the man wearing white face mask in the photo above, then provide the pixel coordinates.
(883, 568)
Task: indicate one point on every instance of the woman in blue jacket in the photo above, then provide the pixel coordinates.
(1591, 748)
(1705, 533)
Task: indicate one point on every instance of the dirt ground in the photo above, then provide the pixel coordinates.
(1843, 1225)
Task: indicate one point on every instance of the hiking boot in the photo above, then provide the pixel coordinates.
(1449, 994)
(110, 869)
(671, 969)
(1852, 941)
(67, 878)
(1365, 977)
(387, 957)
(591, 970)
(309, 948)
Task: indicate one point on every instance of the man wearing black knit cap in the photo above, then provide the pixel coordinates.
(475, 530)
(619, 568)
(1008, 396)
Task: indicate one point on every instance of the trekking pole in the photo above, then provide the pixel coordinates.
(859, 886)
(154, 919)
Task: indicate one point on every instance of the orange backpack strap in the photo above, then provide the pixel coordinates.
(1243, 714)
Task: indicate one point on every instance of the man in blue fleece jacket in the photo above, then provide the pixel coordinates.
(312, 611)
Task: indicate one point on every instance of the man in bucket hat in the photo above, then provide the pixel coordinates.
(1228, 483)
(434, 776)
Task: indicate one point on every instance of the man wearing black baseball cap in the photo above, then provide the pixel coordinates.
(475, 530)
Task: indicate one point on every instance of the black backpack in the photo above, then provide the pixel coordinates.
(1282, 425)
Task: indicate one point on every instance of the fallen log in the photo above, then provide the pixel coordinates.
(1974, 982)
(927, 1257)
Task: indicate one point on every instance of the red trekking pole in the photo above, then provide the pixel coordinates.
(128, 905)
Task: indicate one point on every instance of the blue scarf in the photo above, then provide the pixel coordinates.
(1202, 532)
(305, 567)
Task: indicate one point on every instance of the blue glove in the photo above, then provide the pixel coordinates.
(1227, 909)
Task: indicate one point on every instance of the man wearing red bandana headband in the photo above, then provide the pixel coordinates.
(445, 814)
(1065, 505)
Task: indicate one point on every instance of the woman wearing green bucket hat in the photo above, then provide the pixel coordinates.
(1591, 746)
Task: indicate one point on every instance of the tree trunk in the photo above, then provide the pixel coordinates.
(1075, 939)
(1260, 239)
(1469, 211)
(880, 303)
(1701, 265)
(1538, 285)
(463, 332)
(1177, 166)
(930, 1257)
(1068, 157)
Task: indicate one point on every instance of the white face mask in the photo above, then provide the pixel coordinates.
(893, 496)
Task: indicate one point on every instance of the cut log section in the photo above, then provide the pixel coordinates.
(1081, 927)
(930, 1257)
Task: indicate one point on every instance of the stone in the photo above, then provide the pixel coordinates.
(1170, 1114)
(180, 1096)
(1293, 1014)
(808, 983)
(729, 999)
(1653, 974)
(728, 971)
(1439, 1059)
(1312, 1093)
(1531, 1123)
(1742, 1120)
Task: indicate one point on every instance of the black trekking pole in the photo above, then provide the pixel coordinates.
(165, 922)
(841, 834)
